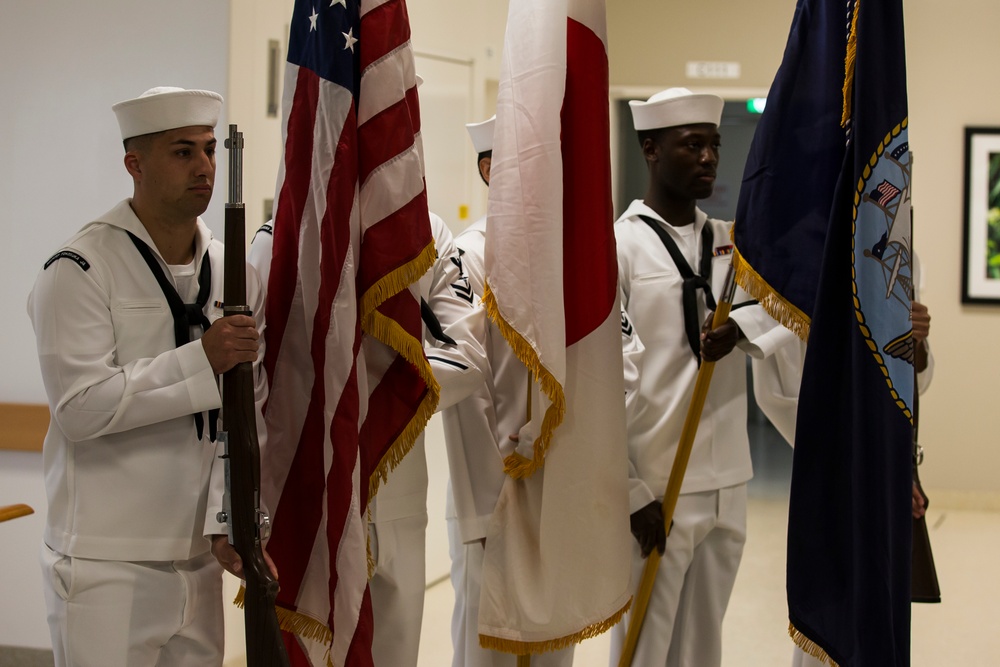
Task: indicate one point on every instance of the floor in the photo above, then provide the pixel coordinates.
(964, 630)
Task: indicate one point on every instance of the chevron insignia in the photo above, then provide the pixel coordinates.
(463, 290)
(627, 329)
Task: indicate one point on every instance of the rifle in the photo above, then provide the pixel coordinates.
(248, 524)
(924, 586)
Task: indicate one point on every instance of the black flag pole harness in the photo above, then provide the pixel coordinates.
(692, 281)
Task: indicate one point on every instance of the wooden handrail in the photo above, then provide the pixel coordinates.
(9, 512)
(23, 426)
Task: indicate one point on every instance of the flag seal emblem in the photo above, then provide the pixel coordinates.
(883, 269)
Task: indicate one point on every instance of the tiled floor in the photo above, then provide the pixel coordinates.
(962, 631)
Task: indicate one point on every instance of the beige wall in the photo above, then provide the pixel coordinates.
(649, 41)
(951, 62)
(253, 24)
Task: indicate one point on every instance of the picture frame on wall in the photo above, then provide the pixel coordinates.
(981, 237)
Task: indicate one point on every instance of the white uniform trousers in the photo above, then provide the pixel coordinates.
(802, 659)
(683, 622)
(107, 613)
(466, 579)
(397, 589)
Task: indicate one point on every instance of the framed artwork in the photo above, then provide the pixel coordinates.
(981, 238)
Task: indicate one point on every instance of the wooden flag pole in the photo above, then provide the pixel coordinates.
(525, 660)
(527, 408)
(676, 479)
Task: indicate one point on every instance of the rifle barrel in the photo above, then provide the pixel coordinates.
(265, 645)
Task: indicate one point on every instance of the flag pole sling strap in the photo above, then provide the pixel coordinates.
(676, 479)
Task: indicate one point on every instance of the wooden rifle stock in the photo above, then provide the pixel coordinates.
(248, 525)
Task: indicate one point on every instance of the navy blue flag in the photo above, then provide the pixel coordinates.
(823, 240)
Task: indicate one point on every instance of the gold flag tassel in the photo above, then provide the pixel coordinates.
(295, 622)
(390, 333)
(849, 60)
(526, 649)
(516, 465)
(778, 307)
(676, 479)
(809, 646)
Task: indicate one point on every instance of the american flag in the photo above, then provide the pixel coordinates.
(884, 193)
(350, 387)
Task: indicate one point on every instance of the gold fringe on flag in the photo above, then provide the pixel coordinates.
(516, 465)
(776, 305)
(809, 646)
(397, 280)
(390, 333)
(852, 55)
(534, 648)
(295, 622)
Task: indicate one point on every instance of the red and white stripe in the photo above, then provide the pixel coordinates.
(350, 209)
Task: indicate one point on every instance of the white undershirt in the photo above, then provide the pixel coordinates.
(185, 281)
(689, 245)
(186, 284)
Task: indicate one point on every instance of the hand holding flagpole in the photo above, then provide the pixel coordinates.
(676, 479)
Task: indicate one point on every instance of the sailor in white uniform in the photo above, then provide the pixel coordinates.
(673, 261)
(131, 339)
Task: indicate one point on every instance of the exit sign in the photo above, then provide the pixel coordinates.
(703, 69)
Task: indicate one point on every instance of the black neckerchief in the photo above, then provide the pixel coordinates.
(185, 315)
(692, 281)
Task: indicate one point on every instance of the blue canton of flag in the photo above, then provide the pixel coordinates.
(323, 39)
